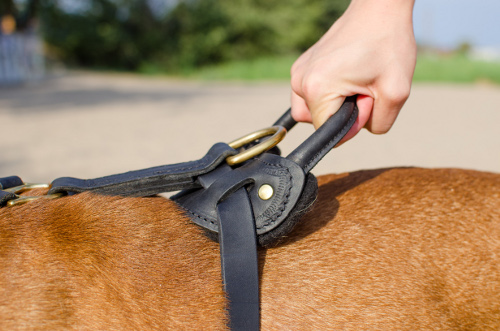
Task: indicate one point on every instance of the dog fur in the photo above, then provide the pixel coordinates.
(404, 248)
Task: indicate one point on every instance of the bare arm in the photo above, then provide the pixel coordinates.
(370, 51)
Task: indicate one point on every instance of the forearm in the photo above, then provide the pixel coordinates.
(392, 9)
(381, 14)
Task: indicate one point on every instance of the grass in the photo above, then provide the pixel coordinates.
(430, 68)
(456, 69)
(266, 68)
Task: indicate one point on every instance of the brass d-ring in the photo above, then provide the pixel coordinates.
(22, 199)
(278, 133)
(25, 187)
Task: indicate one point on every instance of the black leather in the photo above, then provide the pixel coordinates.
(5, 183)
(302, 206)
(8, 182)
(150, 181)
(286, 120)
(286, 178)
(239, 260)
(277, 216)
(5, 197)
(228, 203)
(311, 151)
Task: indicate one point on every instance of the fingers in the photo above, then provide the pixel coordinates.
(300, 111)
(323, 111)
(365, 108)
(386, 108)
(318, 115)
(310, 99)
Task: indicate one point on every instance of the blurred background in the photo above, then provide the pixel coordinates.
(94, 87)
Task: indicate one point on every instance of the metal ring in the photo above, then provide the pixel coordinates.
(25, 187)
(278, 133)
(23, 199)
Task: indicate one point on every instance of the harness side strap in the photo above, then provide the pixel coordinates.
(148, 181)
(5, 183)
(8, 182)
(5, 197)
(239, 260)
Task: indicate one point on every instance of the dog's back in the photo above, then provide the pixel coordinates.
(383, 249)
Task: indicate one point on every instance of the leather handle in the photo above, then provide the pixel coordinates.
(286, 120)
(311, 151)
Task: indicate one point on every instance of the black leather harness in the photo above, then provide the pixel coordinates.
(226, 200)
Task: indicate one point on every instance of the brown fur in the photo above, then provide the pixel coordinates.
(405, 249)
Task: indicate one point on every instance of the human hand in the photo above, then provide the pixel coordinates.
(369, 51)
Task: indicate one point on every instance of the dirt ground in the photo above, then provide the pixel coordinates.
(87, 125)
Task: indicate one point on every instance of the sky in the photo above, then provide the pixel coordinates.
(447, 23)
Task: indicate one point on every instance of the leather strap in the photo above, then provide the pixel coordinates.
(286, 120)
(239, 260)
(149, 181)
(8, 182)
(5, 197)
(285, 177)
(5, 183)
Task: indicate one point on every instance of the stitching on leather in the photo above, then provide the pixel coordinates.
(199, 217)
(199, 164)
(327, 146)
(282, 206)
(196, 164)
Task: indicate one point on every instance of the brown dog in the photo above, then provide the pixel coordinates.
(405, 249)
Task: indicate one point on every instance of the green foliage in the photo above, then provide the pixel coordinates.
(434, 68)
(455, 68)
(264, 68)
(126, 34)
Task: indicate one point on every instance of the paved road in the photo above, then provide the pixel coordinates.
(87, 125)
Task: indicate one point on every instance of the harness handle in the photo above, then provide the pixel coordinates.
(314, 148)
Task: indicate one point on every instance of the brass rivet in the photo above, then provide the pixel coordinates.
(266, 192)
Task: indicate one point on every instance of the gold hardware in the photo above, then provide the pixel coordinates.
(23, 199)
(278, 133)
(266, 192)
(25, 187)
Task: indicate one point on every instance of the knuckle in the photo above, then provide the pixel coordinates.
(312, 86)
(296, 83)
(402, 93)
(295, 67)
(396, 93)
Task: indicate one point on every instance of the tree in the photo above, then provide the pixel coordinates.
(125, 34)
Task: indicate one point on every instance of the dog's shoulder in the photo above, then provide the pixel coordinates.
(104, 262)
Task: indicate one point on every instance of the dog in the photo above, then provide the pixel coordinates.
(387, 249)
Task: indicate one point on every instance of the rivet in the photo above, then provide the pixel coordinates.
(266, 192)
